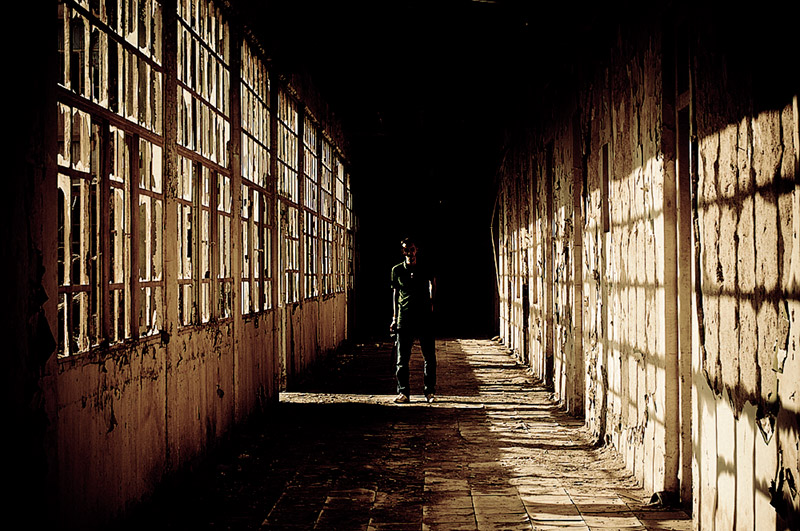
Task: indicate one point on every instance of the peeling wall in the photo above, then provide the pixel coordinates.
(746, 370)
(128, 418)
(109, 411)
(678, 319)
(116, 417)
(311, 332)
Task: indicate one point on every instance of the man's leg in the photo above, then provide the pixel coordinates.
(427, 343)
(403, 351)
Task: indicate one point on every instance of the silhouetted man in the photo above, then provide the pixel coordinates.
(413, 290)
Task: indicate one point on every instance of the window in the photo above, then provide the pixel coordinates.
(310, 203)
(288, 191)
(111, 55)
(110, 181)
(340, 232)
(326, 259)
(339, 207)
(326, 214)
(203, 81)
(256, 250)
(205, 206)
(187, 311)
(288, 185)
(150, 222)
(326, 180)
(79, 233)
(349, 228)
(112, 185)
(205, 278)
(290, 251)
(310, 234)
(256, 199)
(224, 219)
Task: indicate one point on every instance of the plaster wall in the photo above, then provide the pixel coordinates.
(697, 391)
(310, 331)
(122, 419)
(625, 390)
(257, 377)
(111, 426)
(128, 418)
(745, 366)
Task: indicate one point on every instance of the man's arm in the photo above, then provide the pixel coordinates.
(395, 300)
(432, 290)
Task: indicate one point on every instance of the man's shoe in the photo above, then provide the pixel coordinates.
(430, 398)
(401, 399)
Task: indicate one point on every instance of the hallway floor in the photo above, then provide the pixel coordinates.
(492, 453)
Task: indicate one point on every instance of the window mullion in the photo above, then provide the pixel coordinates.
(105, 240)
(133, 245)
(196, 243)
(215, 247)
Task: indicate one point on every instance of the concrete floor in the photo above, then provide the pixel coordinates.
(492, 453)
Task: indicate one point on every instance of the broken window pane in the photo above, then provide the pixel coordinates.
(203, 84)
(143, 26)
(112, 14)
(61, 45)
(64, 134)
(81, 145)
(155, 32)
(108, 70)
(77, 65)
(290, 237)
(78, 267)
(310, 167)
(224, 211)
(287, 148)
(143, 93)
(310, 233)
(255, 118)
(150, 238)
(326, 259)
(95, 66)
(97, 208)
(326, 180)
(156, 103)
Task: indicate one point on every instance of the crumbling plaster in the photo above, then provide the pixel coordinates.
(730, 447)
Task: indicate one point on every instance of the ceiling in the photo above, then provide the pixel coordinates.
(425, 91)
(424, 72)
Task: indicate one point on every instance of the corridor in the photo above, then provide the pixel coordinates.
(493, 452)
(205, 200)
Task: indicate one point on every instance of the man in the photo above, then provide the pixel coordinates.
(413, 290)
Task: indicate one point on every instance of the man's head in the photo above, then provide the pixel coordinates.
(409, 251)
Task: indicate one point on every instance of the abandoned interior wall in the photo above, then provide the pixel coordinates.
(567, 316)
(634, 351)
(686, 274)
(196, 240)
(746, 370)
(312, 331)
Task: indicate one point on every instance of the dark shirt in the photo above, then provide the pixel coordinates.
(413, 288)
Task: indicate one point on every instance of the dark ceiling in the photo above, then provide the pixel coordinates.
(437, 80)
(425, 91)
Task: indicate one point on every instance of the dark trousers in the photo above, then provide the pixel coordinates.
(405, 340)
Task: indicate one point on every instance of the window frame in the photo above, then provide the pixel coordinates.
(111, 106)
